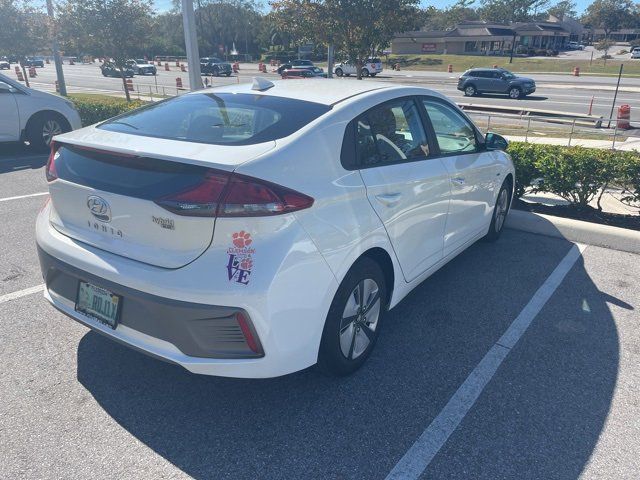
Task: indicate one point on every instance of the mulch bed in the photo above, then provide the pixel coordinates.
(586, 214)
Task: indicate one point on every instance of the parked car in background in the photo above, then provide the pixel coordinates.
(109, 69)
(371, 67)
(298, 73)
(635, 53)
(575, 46)
(33, 62)
(33, 116)
(140, 66)
(294, 64)
(495, 80)
(4, 65)
(214, 66)
(256, 230)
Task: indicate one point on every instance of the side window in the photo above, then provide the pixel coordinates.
(453, 131)
(390, 133)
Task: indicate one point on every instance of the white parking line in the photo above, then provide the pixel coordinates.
(6, 199)
(21, 293)
(418, 457)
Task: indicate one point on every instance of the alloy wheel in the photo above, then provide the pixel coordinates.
(514, 93)
(470, 91)
(50, 129)
(502, 207)
(360, 319)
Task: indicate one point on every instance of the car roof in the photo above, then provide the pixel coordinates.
(327, 92)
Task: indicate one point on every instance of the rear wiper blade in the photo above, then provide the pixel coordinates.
(126, 124)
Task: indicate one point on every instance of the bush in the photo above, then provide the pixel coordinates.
(94, 110)
(576, 174)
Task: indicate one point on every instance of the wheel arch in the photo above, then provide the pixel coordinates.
(383, 259)
(42, 113)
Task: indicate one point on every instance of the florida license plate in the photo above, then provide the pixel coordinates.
(99, 303)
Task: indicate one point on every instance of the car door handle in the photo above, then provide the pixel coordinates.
(389, 199)
(458, 180)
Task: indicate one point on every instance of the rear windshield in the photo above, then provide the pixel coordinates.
(222, 119)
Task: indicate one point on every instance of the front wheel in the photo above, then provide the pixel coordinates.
(354, 319)
(515, 93)
(364, 72)
(339, 72)
(499, 213)
(42, 128)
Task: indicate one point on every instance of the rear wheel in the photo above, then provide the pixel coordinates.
(43, 127)
(364, 72)
(499, 212)
(339, 72)
(354, 319)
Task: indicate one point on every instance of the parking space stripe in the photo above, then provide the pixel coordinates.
(419, 456)
(21, 293)
(24, 196)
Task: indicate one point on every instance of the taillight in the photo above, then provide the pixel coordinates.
(231, 195)
(200, 200)
(51, 171)
(249, 197)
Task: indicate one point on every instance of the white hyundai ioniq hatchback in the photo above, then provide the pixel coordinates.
(256, 230)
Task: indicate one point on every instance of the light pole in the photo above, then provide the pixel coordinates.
(62, 86)
(191, 44)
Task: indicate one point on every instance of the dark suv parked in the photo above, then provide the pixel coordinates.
(214, 66)
(495, 80)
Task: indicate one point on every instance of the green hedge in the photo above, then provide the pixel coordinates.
(576, 174)
(99, 108)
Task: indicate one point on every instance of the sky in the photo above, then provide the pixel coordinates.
(164, 5)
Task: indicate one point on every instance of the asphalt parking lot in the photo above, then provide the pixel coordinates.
(559, 400)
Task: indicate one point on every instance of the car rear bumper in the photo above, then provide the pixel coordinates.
(186, 315)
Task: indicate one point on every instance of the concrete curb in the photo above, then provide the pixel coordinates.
(575, 230)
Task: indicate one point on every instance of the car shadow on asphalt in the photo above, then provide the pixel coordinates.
(535, 98)
(18, 156)
(307, 425)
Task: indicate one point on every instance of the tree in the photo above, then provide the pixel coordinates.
(506, 11)
(565, 8)
(610, 15)
(357, 28)
(448, 18)
(24, 30)
(114, 29)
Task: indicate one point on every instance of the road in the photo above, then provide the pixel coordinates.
(563, 93)
(562, 403)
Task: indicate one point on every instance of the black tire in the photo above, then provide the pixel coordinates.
(470, 91)
(228, 74)
(515, 93)
(42, 127)
(360, 332)
(500, 209)
(364, 72)
(373, 74)
(339, 72)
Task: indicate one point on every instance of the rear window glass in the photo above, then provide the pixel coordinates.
(222, 119)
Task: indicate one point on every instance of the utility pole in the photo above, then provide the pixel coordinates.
(191, 44)
(615, 95)
(513, 47)
(62, 86)
(330, 60)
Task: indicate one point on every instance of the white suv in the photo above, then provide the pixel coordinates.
(635, 53)
(33, 116)
(371, 67)
(255, 231)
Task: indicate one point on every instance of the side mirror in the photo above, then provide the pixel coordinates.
(493, 141)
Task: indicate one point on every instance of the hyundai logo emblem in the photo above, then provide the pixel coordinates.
(99, 208)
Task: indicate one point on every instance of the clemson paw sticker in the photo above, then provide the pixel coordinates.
(240, 262)
(241, 239)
